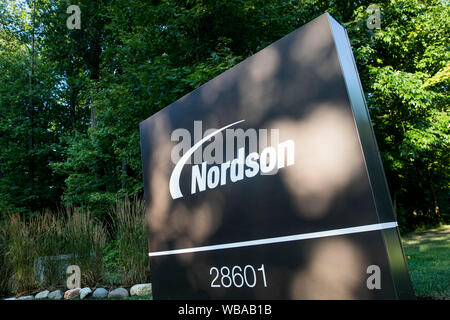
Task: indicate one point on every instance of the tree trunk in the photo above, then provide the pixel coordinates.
(73, 102)
(395, 205)
(31, 118)
(124, 175)
(95, 70)
(433, 195)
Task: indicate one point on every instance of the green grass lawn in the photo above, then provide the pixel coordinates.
(428, 256)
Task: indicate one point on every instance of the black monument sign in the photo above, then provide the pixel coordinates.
(266, 182)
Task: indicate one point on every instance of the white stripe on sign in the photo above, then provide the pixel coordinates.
(304, 236)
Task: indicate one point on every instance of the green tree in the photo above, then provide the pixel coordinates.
(404, 69)
(29, 123)
(91, 88)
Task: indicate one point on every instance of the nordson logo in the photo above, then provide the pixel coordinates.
(215, 171)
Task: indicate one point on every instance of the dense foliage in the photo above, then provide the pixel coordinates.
(71, 100)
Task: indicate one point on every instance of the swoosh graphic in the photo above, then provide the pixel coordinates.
(174, 183)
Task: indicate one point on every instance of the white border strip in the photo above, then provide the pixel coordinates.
(304, 236)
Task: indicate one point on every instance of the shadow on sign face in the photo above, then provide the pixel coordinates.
(297, 87)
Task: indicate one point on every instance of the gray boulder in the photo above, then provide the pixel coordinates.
(143, 289)
(26, 298)
(85, 292)
(118, 293)
(42, 295)
(100, 293)
(55, 295)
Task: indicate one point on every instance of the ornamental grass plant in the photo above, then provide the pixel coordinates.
(131, 240)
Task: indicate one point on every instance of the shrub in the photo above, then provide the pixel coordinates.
(113, 276)
(129, 225)
(47, 231)
(70, 236)
(5, 267)
(84, 239)
(20, 254)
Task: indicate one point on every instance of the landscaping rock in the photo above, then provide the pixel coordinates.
(119, 293)
(143, 289)
(72, 294)
(85, 292)
(42, 295)
(13, 298)
(55, 295)
(100, 293)
(26, 298)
